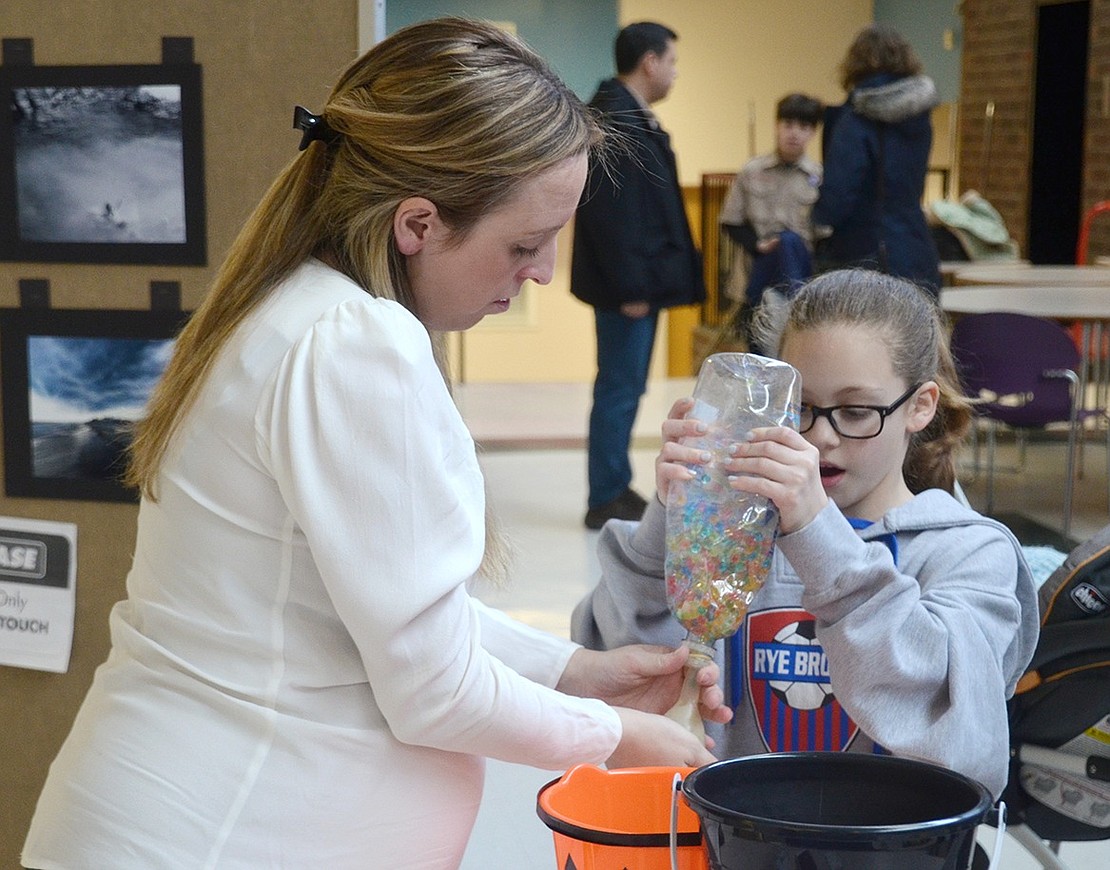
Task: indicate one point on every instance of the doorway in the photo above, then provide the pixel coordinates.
(1059, 111)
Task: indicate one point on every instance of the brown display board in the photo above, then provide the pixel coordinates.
(258, 59)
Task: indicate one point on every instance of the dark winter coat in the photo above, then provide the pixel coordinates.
(885, 123)
(632, 240)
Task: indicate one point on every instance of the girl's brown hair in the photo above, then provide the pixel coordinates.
(878, 48)
(916, 335)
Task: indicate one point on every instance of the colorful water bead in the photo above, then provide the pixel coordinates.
(718, 555)
(720, 541)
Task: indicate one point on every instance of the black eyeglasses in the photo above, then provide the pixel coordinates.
(853, 421)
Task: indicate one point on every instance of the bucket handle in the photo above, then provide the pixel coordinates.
(676, 786)
(999, 821)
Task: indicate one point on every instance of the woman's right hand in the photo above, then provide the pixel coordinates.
(651, 740)
(675, 460)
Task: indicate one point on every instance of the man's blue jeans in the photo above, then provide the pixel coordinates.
(623, 359)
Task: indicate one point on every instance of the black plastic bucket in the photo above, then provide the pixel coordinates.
(826, 810)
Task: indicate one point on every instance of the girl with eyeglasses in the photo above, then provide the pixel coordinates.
(895, 618)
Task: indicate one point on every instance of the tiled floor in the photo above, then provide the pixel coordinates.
(535, 463)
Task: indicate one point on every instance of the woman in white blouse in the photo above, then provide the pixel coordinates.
(298, 677)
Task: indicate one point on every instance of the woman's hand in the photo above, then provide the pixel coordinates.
(648, 740)
(675, 460)
(778, 463)
(647, 678)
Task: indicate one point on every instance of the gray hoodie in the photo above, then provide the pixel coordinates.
(910, 633)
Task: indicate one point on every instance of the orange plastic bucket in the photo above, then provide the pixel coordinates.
(620, 819)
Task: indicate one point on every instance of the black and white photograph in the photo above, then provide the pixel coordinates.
(73, 390)
(101, 164)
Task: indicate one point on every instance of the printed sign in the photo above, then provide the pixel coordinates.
(38, 579)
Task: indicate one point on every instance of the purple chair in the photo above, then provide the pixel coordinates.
(1023, 372)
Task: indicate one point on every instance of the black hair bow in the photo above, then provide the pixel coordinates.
(313, 128)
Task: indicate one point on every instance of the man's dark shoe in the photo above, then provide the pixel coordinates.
(629, 505)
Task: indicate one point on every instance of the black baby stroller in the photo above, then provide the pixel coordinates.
(1059, 786)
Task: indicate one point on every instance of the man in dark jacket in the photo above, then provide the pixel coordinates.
(633, 255)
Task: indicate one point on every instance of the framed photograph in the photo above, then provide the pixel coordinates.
(102, 164)
(74, 383)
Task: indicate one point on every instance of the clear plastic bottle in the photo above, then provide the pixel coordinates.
(719, 540)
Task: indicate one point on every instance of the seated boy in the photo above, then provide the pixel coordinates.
(768, 205)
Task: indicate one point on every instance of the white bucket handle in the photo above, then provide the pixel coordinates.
(676, 785)
(996, 855)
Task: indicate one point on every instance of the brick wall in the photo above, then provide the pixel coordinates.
(1096, 171)
(998, 67)
(999, 59)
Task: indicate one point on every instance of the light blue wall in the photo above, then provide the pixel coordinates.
(576, 36)
(923, 23)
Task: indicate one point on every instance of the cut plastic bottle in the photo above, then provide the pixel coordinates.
(719, 540)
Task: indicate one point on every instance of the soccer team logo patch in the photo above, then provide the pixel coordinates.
(787, 677)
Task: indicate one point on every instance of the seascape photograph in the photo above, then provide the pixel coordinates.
(85, 394)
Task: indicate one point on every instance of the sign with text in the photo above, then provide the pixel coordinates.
(38, 579)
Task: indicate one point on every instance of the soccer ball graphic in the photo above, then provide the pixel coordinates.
(801, 694)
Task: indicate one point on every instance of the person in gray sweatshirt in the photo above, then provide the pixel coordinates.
(894, 617)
